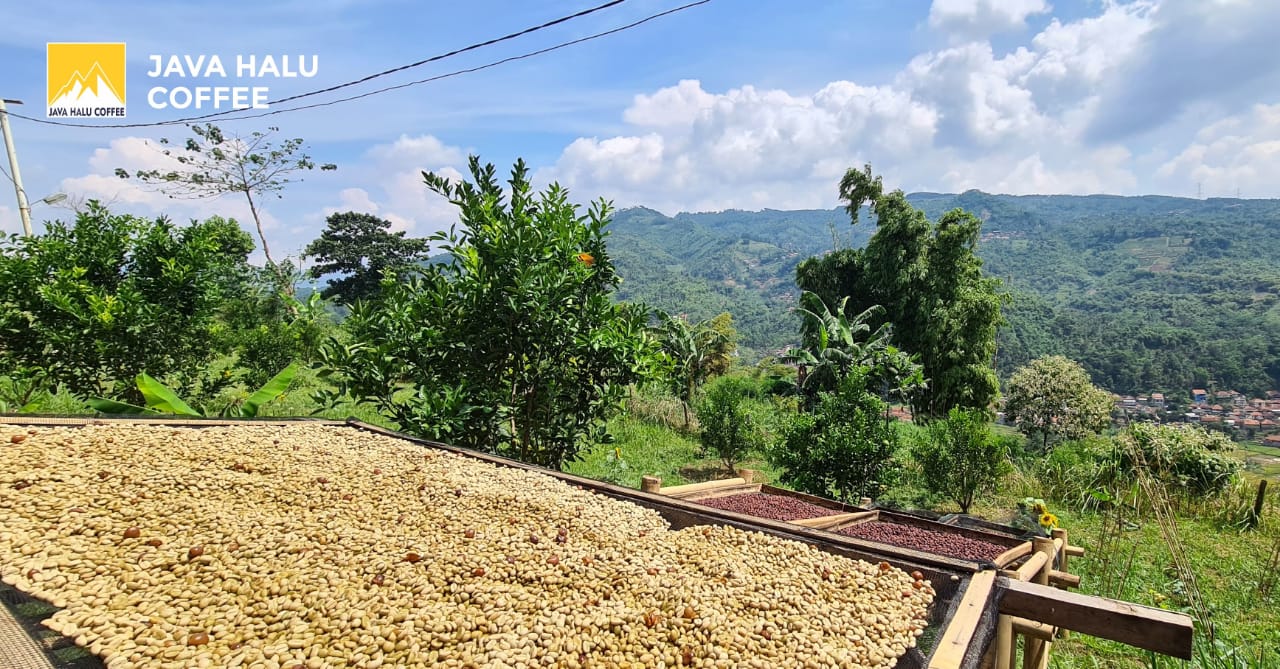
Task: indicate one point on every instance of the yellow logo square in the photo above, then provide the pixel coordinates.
(86, 79)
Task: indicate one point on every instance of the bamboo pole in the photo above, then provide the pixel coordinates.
(1045, 549)
(1060, 533)
(651, 484)
(1006, 647)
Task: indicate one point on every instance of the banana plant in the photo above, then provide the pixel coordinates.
(163, 400)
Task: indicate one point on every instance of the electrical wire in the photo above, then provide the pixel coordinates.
(393, 70)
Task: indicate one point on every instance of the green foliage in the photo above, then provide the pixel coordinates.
(728, 429)
(161, 399)
(363, 248)
(1053, 398)
(929, 280)
(961, 458)
(1185, 459)
(94, 303)
(843, 449)
(513, 345)
(836, 345)
(693, 352)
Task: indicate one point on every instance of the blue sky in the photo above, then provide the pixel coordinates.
(734, 104)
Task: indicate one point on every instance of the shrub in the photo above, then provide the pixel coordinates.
(960, 458)
(728, 428)
(1185, 459)
(844, 448)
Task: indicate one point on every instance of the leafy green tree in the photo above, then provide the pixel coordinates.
(515, 344)
(841, 449)
(928, 279)
(961, 458)
(693, 352)
(728, 428)
(211, 164)
(727, 346)
(1053, 398)
(95, 303)
(361, 247)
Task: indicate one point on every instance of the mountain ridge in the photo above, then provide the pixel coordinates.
(1151, 293)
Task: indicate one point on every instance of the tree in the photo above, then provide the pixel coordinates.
(929, 281)
(960, 458)
(726, 347)
(693, 352)
(362, 247)
(728, 429)
(842, 448)
(97, 302)
(212, 164)
(514, 345)
(1053, 398)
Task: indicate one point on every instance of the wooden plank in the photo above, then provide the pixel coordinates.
(841, 519)
(1032, 566)
(956, 638)
(1157, 630)
(1062, 579)
(1031, 628)
(705, 486)
(727, 491)
(1012, 554)
(1075, 551)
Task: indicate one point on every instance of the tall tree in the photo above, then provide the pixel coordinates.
(211, 164)
(98, 301)
(929, 281)
(361, 247)
(515, 345)
(1053, 398)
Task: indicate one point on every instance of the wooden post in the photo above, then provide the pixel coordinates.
(1258, 502)
(864, 502)
(1032, 648)
(747, 475)
(1006, 649)
(1059, 533)
(651, 484)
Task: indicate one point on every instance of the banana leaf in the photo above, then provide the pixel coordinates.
(160, 398)
(103, 405)
(270, 391)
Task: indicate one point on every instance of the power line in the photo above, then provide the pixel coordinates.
(383, 73)
(469, 70)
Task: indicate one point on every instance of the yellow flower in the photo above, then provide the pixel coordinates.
(587, 259)
(617, 454)
(1048, 520)
(1040, 508)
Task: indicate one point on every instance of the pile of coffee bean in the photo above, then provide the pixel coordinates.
(921, 539)
(764, 505)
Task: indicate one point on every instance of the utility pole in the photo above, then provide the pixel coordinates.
(24, 209)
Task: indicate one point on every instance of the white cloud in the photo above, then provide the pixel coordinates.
(388, 182)
(1238, 153)
(982, 18)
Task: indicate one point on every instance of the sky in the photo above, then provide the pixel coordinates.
(743, 104)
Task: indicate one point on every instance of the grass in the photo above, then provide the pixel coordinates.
(648, 449)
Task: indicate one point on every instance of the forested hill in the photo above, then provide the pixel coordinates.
(1151, 293)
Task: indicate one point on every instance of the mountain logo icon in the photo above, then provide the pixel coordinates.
(86, 79)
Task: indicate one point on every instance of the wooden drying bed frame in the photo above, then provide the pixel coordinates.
(848, 515)
(976, 615)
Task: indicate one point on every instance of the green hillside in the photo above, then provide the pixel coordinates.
(1150, 293)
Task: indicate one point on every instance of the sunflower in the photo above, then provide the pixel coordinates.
(1040, 508)
(587, 259)
(1048, 520)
